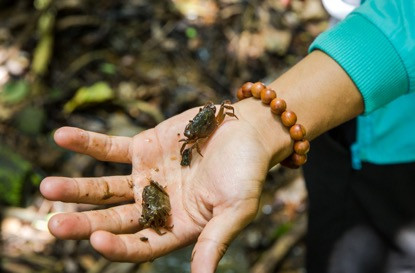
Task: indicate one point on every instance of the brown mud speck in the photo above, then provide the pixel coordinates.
(107, 194)
(144, 239)
(173, 158)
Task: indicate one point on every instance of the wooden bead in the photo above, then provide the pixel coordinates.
(297, 132)
(302, 147)
(257, 88)
(289, 163)
(246, 89)
(288, 118)
(267, 95)
(278, 106)
(239, 94)
(298, 159)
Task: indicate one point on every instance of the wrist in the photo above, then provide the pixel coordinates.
(271, 133)
(320, 94)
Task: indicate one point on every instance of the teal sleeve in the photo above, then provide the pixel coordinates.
(375, 45)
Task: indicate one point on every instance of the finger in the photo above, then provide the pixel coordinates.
(218, 234)
(99, 190)
(133, 248)
(80, 225)
(99, 146)
(130, 248)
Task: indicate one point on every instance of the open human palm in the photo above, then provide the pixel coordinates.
(211, 201)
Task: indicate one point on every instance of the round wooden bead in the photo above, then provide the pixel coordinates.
(288, 162)
(278, 106)
(239, 94)
(267, 95)
(288, 118)
(298, 159)
(302, 147)
(257, 88)
(297, 132)
(246, 89)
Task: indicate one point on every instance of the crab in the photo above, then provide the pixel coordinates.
(156, 208)
(202, 126)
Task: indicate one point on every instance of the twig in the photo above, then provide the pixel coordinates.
(275, 255)
(78, 21)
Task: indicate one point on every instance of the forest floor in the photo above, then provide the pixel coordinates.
(120, 67)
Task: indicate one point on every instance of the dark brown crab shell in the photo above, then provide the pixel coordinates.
(203, 123)
(156, 207)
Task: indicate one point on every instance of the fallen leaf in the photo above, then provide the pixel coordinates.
(96, 93)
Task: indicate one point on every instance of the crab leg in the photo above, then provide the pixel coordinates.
(186, 141)
(197, 147)
(221, 115)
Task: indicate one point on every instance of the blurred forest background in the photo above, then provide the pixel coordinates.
(120, 67)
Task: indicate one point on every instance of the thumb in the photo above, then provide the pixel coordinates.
(218, 234)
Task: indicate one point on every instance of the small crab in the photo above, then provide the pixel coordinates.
(202, 126)
(156, 207)
(186, 157)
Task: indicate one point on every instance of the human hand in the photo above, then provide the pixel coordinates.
(211, 201)
(215, 198)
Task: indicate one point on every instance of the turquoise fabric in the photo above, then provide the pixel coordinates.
(375, 45)
(350, 43)
(396, 19)
(387, 135)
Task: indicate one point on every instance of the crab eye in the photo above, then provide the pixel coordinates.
(187, 133)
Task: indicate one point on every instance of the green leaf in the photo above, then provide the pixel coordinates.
(41, 4)
(42, 55)
(96, 93)
(13, 172)
(282, 229)
(108, 68)
(191, 32)
(46, 22)
(14, 92)
(30, 120)
(35, 178)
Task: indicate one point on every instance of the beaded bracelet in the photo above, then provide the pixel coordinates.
(279, 107)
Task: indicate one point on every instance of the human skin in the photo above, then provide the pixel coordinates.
(215, 198)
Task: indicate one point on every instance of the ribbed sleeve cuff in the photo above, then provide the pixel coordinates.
(368, 57)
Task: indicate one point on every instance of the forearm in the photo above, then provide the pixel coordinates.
(318, 90)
